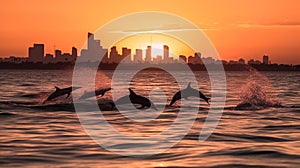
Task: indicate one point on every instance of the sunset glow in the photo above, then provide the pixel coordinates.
(247, 29)
(157, 41)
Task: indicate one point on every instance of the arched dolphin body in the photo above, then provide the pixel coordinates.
(59, 92)
(94, 93)
(135, 99)
(188, 92)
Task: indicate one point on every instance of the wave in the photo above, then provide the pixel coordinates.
(30, 95)
(237, 138)
(7, 114)
(240, 152)
(244, 138)
(54, 107)
(27, 84)
(19, 161)
(5, 105)
(241, 166)
(281, 127)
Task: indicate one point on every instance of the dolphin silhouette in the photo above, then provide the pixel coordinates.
(94, 93)
(59, 92)
(135, 99)
(188, 92)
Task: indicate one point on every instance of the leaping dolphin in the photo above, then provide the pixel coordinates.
(59, 92)
(188, 92)
(94, 93)
(135, 99)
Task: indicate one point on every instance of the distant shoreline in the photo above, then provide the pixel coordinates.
(173, 66)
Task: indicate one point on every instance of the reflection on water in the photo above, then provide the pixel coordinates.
(35, 135)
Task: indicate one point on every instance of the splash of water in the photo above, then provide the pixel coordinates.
(258, 92)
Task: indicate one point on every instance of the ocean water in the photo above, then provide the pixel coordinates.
(40, 135)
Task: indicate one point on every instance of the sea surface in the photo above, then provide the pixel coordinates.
(33, 134)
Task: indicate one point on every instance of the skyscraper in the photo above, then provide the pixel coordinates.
(126, 54)
(138, 57)
(148, 54)
(166, 58)
(36, 53)
(58, 56)
(114, 55)
(74, 52)
(265, 59)
(90, 42)
(94, 49)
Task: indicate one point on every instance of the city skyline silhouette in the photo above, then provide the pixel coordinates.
(94, 50)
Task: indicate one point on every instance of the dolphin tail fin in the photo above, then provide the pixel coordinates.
(202, 96)
(189, 85)
(176, 97)
(131, 92)
(207, 100)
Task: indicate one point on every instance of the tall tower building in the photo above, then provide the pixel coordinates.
(166, 54)
(138, 57)
(114, 56)
(74, 52)
(148, 54)
(36, 53)
(265, 59)
(90, 40)
(126, 54)
(94, 50)
(57, 53)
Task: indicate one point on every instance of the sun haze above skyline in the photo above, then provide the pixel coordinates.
(238, 29)
(157, 42)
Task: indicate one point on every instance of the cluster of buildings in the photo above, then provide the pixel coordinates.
(265, 61)
(94, 50)
(36, 54)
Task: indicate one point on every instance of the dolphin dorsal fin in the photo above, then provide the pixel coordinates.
(57, 88)
(131, 92)
(189, 85)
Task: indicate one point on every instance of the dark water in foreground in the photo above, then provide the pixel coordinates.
(38, 135)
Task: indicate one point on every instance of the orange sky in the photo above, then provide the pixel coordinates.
(245, 29)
